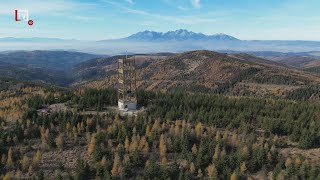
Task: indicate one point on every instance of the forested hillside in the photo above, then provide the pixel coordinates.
(51, 67)
(211, 73)
(178, 136)
(202, 115)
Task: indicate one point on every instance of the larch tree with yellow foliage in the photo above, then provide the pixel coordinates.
(162, 146)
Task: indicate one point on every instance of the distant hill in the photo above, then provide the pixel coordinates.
(30, 73)
(60, 60)
(95, 69)
(99, 68)
(194, 71)
(308, 61)
(53, 67)
(313, 67)
(296, 61)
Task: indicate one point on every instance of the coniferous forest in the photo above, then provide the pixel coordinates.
(177, 136)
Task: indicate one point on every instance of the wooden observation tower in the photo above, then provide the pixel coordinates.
(127, 99)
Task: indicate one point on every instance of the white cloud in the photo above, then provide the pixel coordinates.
(41, 6)
(183, 8)
(175, 19)
(196, 3)
(129, 1)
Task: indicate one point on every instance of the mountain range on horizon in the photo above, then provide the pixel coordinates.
(147, 41)
(179, 34)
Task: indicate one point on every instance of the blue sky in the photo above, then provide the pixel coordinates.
(109, 19)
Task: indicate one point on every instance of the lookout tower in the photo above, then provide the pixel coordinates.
(127, 99)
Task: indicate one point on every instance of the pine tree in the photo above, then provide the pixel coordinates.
(107, 175)
(82, 171)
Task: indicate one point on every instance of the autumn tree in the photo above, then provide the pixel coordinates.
(162, 146)
(212, 172)
(198, 129)
(192, 168)
(127, 144)
(37, 158)
(288, 162)
(103, 161)
(194, 149)
(115, 167)
(134, 144)
(92, 144)
(199, 175)
(25, 163)
(3, 159)
(60, 141)
(218, 136)
(145, 149)
(8, 175)
(10, 164)
(234, 176)
(217, 152)
(243, 167)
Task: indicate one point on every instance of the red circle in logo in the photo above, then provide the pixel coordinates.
(30, 22)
